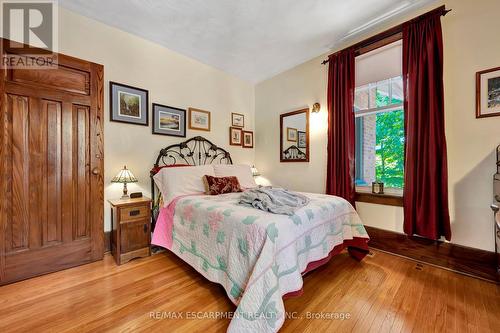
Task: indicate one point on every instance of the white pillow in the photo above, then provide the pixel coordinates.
(177, 181)
(242, 172)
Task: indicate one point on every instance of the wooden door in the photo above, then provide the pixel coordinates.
(51, 159)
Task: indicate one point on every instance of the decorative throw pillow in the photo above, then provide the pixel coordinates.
(221, 185)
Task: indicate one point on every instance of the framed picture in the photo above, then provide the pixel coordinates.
(168, 120)
(301, 139)
(247, 139)
(488, 93)
(291, 134)
(199, 119)
(128, 104)
(235, 136)
(237, 120)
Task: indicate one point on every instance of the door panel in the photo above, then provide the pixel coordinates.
(37, 168)
(62, 78)
(51, 207)
(50, 187)
(52, 231)
(81, 195)
(18, 229)
(132, 235)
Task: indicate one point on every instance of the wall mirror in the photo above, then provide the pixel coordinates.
(294, 136)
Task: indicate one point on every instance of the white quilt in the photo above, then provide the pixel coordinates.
(256, 256)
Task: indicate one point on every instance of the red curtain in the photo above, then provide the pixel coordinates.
(341, 138)
(426, 176)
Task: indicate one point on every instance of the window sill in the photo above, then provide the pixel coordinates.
(391, 198)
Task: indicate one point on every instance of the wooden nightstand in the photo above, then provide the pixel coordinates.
(130, 229)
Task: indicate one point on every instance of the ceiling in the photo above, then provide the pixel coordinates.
(251, 39)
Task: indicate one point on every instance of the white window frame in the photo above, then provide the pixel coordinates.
(358, 113)
(374, 110)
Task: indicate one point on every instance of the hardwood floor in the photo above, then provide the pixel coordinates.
(384, 293)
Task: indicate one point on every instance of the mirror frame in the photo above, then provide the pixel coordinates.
(283, 115)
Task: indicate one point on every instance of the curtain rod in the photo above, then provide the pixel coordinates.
(392, 31)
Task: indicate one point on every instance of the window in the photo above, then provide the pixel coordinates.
(378, 107)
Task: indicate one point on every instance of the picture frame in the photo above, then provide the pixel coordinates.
(301, 139)
(128, 104)
(199, 119)
(168, 120)
(237, 120)
(488, 93)
(291, 134)
(235, 136)
(247, 139)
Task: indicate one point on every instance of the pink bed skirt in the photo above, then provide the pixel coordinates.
(162, 235)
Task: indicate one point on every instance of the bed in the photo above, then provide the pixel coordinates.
(258, 257)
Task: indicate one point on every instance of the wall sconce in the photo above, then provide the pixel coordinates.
(316, 107)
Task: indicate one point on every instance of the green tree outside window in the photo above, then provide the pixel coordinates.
(389, 166)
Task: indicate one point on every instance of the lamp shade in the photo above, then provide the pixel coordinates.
(124, 176)
(255, 172)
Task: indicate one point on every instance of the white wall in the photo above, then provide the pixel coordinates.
(293, 90)
(171, 79)
(471, 44)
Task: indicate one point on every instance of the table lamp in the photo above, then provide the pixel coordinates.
(124, 176)
(255, 172)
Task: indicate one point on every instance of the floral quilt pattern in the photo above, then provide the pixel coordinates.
(256, 256)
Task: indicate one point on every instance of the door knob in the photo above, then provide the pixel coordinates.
(96, 171)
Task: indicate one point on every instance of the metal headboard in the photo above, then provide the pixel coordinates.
(294, 152)
(195, 151)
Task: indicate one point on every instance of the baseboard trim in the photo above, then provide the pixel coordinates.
(469, 261)
(466, 260)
